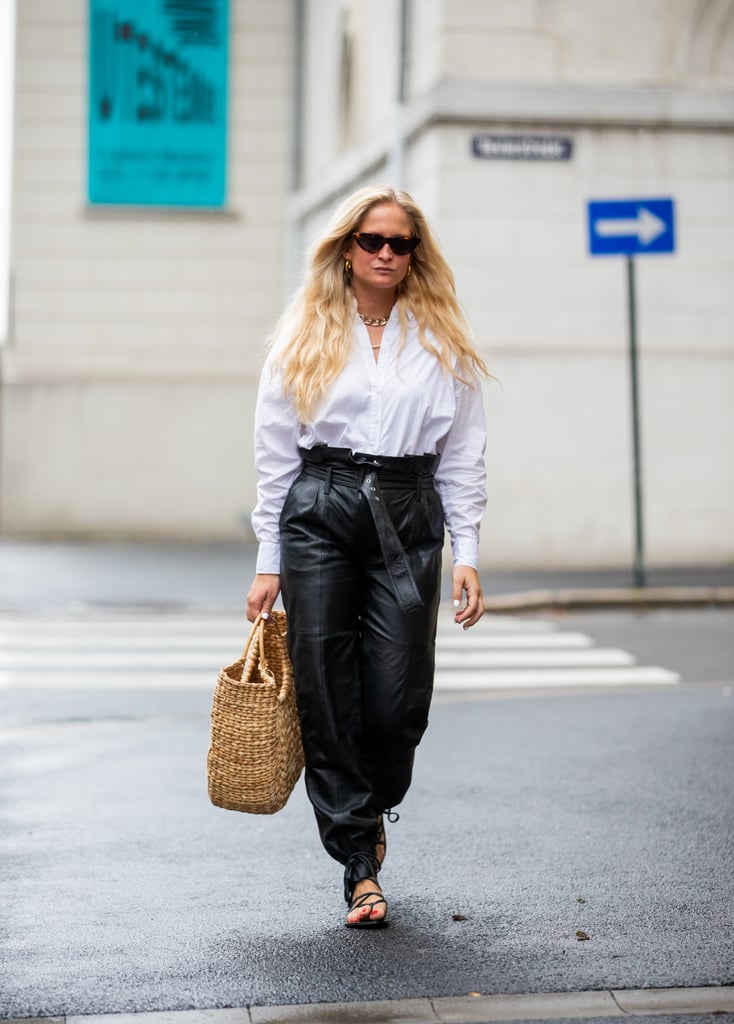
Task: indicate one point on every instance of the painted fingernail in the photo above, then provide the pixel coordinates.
(266, 615)
(456, 604)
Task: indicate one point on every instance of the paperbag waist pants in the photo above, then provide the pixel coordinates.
(361, 545)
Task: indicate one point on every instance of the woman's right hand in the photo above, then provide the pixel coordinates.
(263, 593)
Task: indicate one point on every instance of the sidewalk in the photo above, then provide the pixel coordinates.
(128, 899)
(76, 577)
(647, 1006)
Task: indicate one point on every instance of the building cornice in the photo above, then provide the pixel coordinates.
(592, 106)
(487, 104)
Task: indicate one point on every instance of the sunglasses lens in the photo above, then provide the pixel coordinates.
(370, 243)
(402, 246)
(373, 243)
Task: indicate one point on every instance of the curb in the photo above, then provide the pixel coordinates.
(473, 1009)
(611, 597)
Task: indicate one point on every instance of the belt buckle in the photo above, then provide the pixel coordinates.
(360, 459)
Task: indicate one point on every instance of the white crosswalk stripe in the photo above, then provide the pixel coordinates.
(138, 651)
(505, 653)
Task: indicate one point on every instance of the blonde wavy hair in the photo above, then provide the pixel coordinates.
(321, 314)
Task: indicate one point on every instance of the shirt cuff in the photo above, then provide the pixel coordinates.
(466, 552)
(268, 557)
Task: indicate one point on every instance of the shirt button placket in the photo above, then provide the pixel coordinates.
(375, 405)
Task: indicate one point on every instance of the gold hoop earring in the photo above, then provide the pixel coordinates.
(409, 269)
(347, 267)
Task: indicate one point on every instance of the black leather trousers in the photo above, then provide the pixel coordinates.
(360, 577)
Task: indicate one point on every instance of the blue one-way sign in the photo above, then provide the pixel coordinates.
(631, 226)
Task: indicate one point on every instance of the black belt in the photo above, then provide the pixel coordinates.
(366, 472)
(406, 465)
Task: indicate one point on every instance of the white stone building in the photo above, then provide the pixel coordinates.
(135, 333)
(128, 380)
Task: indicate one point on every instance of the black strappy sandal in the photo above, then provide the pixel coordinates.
(381, 839)
(363, 867)
(366, 900)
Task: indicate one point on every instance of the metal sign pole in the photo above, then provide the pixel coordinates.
(623, 227)
(636, 447)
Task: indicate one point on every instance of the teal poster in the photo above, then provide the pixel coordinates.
(158, 102)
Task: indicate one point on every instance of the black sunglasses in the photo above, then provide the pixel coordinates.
(401, 245)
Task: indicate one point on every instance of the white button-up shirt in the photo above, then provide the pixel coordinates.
(403, 404)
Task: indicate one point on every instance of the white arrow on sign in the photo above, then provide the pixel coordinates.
(646, 226)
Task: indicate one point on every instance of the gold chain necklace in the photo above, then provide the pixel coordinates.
(373, 321)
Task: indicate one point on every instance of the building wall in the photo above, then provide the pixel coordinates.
(555, 323)
(129, 377)
(589, 42)
(645, 90)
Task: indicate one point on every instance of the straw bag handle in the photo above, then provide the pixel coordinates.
(258, 629)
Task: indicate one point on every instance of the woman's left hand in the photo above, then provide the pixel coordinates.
(465, 581)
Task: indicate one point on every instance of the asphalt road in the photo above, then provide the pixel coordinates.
(696, 642)
(37, 575)
(532, 818)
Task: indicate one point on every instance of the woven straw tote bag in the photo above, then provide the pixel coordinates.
(255, 757)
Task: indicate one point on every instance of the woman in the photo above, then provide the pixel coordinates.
(369, 440)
